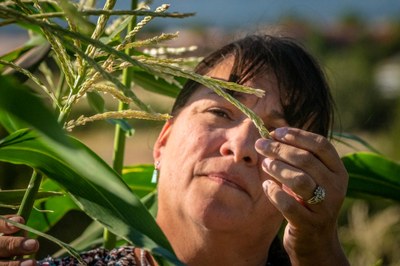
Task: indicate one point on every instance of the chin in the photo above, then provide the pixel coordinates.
(218, 215)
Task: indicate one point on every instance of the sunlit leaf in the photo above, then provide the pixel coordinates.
(372, 175)
(138, 178)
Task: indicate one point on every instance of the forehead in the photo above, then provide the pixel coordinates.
(223, 69)
(268, 108)
(264, 80)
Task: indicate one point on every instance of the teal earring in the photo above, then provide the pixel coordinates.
(154, 177)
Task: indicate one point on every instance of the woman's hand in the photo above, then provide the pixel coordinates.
(299, 162)
(11, 246)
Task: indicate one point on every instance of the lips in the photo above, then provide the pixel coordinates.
(226, 172)
(222, 178)
(232, 180)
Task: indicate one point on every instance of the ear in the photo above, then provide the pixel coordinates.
(162, 141)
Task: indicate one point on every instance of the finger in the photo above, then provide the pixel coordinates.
(291, 209)
(18, 263)
(298, 181)
(8, 228)
(302, 186)
(11, 246)
(312, 142)
(296, 159)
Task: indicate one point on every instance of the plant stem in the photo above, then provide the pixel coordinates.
(95, 12)
(29, 196)
(119, 135)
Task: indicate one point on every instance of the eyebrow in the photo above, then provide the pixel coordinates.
(275, 114)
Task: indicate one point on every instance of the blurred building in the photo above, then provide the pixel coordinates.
(387, 77)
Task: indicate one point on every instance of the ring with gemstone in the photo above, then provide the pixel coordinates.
(318, 195)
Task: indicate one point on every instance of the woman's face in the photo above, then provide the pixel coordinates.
(210, 172)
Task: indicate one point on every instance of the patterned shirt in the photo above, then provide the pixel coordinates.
(122, 256)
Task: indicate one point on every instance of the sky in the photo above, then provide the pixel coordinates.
(232, 14)
(240, 13)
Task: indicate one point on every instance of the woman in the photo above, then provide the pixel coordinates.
(223, 191)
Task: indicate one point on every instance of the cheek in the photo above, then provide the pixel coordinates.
(186, 147)
(194, 140)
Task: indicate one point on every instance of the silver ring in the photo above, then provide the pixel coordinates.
(318, 195)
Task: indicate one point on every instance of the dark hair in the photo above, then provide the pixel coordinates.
(304, 93)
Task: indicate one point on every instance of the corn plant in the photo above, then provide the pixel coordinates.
(93, 57)
(99, 51)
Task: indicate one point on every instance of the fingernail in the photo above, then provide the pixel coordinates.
(262, 144)
(29, 245)
(28, 263)
(280, 132)
(16, 219)
(266, 183)
(266, 162)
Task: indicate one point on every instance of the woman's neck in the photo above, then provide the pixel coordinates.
(195, 245)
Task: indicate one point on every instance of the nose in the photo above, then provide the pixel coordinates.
(240, 142)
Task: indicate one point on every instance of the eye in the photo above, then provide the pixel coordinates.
(219, 112)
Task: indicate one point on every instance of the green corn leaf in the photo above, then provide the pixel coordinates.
(72, 14)
(96, 102)
(17, 101)
(14, 54)
(158, 85)
(372, 175)
(20, 51)
(95, 187)
(98, 105)
(116, 31)
(48, 212)
(125, 126)
(10, 123)
(24, 66)
(151, 202)
(93, 234)
(339, 136)
(138, 178)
